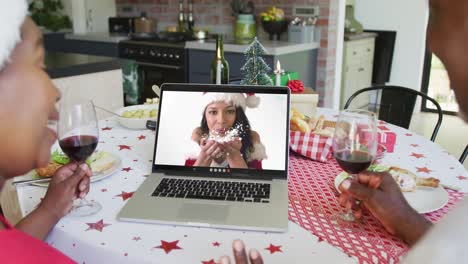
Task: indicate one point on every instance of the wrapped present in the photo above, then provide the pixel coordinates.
(311, 145)
(285, 77)
(385, 137)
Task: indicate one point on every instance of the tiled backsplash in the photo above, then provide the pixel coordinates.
(217, 13)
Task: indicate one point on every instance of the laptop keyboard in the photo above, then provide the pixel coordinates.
(214, 190)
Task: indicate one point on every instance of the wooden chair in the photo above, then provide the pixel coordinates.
(396, 105)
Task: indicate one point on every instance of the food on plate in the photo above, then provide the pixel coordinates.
(49, 170)
(305, 124)
(140, 113)
(101, 161)
(408, 181)
(98, 162)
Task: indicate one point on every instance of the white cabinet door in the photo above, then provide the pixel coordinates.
(98, 13)
(92, 15)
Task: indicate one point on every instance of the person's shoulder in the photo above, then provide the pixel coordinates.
(255, 136)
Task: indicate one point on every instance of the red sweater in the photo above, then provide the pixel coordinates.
(18, 247)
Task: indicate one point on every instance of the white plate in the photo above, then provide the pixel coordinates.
(423, 200)
(104, 174)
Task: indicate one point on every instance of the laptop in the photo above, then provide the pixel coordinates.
(220, 159)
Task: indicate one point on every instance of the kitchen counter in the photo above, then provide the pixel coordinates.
(364, 35)
(61, 64)
(273, 47)
(97, 37)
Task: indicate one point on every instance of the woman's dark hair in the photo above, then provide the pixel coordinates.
(245, 133)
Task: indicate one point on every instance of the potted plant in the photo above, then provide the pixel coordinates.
(47, 14)
(245, 30)
(274, 22)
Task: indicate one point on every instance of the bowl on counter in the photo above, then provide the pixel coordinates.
(136, 116)
(275, 28)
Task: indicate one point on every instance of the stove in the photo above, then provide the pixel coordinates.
(161, 58)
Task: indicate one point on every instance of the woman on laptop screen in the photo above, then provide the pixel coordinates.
(224, 137)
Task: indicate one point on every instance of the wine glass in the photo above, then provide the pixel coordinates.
(78, 134)
(355, 144)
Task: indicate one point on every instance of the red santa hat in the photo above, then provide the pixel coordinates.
(12, 16)
(249, 100)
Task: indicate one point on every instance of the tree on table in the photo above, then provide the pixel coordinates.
(255, 68)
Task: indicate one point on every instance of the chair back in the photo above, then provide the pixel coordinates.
(396, 105)
(463, 155)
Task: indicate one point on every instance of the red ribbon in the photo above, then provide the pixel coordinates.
(296, 86)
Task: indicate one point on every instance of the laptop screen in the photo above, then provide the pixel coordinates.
(223, 130)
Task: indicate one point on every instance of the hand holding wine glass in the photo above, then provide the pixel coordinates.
(78, 137)
(355, 144)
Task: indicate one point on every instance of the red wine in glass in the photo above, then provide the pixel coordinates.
(78, 133)
(354, 144)
(353, 162)
(79, 147)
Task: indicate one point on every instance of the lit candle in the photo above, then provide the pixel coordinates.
(278, 73)
(218, 72)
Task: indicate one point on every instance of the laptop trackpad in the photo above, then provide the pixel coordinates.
(203, 212)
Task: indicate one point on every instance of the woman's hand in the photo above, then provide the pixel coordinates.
(240, 256)
(382, 196)
(210, 150)
(233, 153)
(69, 182)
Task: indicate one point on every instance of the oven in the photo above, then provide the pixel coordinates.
(157, 63)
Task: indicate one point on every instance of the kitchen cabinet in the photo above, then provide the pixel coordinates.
(358, 60)
(92, 15)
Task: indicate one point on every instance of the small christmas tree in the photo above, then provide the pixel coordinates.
(255, 68)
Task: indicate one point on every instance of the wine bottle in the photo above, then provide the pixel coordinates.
(181, 18)
(219, 66)
(190, 21)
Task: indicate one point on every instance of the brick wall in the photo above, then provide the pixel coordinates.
(218, 12)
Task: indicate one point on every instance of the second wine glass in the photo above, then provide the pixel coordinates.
(78, 134)
(355, 144)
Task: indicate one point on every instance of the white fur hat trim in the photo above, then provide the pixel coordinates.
(12, 15)
(238, 99)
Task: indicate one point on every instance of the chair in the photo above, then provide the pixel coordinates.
(396, 105)
(463, 155)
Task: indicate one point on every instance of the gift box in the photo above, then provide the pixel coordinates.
(385, 137)
(285, 77)
(310, 145)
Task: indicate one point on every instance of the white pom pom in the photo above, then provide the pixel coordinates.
(252, 101)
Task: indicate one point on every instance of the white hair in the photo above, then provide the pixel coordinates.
(12, 16)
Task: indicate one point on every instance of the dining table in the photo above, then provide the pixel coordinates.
(314, 234)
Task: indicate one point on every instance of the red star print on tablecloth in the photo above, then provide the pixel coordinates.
(211, 261)
(424, 169)
(169, 246)
(136, 239)
(127, 169)
(141, 137)
(99, 225)
(414, 145)
(216, 244)
(408, 134)
(462, 178)
(104, 190)
(125, 195)
(272, 248)
(417, 155)
(106, 128)
(122, 147)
